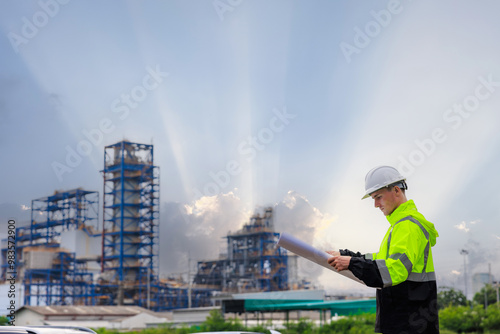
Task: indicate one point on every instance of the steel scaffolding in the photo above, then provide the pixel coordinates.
(166, 297)
(64, 283)
(253, 263)
(131, 221)
(50, 276)
(63, 211)
(129, 245)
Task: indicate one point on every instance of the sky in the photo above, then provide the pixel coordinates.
(251, 104)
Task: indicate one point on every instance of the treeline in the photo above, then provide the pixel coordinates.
(359, 324)
(480, 315)
(456, 315)
(467, 319)
(453, 319)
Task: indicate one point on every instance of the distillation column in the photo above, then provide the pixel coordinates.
(131, 221)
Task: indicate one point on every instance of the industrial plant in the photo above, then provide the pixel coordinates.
(253, 264)
(67, 255)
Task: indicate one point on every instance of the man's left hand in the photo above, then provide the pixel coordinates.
(339, 262)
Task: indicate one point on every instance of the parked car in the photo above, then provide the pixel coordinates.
(44, 330)
(236, 332)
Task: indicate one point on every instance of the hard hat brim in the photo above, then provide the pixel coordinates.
(374, 189)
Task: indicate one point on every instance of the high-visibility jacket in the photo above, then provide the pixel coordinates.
(403, 270)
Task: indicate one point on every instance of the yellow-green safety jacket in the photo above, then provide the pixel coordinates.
(403, 270)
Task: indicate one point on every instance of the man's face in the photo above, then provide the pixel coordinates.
(385, 200)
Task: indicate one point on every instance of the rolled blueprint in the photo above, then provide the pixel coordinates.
(320, 257)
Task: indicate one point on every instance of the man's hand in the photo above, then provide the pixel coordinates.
(333, 253)
(339, 262)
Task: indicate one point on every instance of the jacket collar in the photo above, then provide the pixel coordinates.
(401, 212)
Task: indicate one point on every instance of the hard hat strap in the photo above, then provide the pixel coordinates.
(401, 184)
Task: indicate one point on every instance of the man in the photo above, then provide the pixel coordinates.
(402, 269)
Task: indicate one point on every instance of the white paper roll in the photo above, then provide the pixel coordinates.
(315, 255)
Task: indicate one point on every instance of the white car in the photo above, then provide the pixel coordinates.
(44, 330)
(236, 332)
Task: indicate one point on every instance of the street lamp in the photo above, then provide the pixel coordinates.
(465, 252)
(495, 285)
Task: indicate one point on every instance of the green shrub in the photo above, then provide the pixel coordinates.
(216, 322)
(492, 319)
(303, 326)
(462, 319)
(453, 319)
(260, 328)
(489, 292)
(103, 330)
(358, 324)
(450, 297)
(362, 329)
(186, 330)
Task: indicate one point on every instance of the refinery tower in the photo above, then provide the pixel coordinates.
(129, 259)
(67, 256)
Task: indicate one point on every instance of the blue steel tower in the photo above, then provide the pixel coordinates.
(129, 260)
(50, 274)
(253, 262)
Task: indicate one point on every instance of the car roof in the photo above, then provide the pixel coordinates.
(44, 330)
(228, 332)
(236, 332)
(11, 329)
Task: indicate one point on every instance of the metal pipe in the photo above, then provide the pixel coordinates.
(465, 252)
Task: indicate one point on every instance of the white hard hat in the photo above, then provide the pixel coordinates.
(380, 177)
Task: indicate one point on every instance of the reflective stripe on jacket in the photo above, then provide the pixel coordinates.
(400, 258)
(405, 252)
(403, 270)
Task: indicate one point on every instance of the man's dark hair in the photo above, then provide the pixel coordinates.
(400, 184)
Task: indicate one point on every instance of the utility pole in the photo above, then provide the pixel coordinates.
(486, 287)
(189, 282)
(149, 289)
(465, 252)
(498, 299)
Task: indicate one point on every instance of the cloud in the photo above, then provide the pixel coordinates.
(463, 225)
(20, 213)
(297, 216)
(480, 255)
(197, 230)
